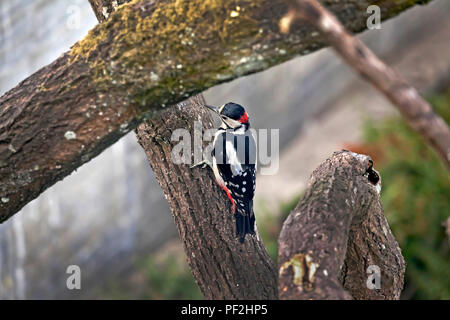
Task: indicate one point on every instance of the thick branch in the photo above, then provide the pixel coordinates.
(415, 109)
(146, 56)
(222, 267)
(337, 234)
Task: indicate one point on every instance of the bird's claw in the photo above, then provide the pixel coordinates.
(203, 164)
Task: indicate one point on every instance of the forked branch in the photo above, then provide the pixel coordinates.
(337, 244)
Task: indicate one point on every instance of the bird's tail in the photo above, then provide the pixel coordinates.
(245, 222)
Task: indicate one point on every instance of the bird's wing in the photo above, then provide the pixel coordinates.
(236, 157)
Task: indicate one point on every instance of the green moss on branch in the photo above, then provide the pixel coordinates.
(160, 53)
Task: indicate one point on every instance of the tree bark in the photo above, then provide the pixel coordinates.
(146, 56)
(222, 267)
(337, 235)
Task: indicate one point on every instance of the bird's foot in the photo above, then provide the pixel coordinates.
(203, 164)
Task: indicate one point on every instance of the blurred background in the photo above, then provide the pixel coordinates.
(110, 217)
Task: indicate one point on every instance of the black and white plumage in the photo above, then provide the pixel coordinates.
(234, 164)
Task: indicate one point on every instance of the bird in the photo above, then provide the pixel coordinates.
(234, 164)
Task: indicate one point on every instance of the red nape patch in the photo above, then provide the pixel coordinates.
(244, 118)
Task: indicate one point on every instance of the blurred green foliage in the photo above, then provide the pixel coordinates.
(164, 276)
(170, 279)
(416, 200)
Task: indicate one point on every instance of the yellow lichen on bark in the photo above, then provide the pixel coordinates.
(160, 45)
(304, 270)
(147, 48)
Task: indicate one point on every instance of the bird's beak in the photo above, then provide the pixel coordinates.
(215, 109)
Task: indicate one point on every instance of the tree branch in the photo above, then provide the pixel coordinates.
(146, 56)
(336, 234)
(418, 112)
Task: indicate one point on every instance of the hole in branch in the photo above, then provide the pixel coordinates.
(372, 175)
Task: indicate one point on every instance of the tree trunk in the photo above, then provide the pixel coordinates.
(222, 267)
(189, 209)
(205, 271)
(337, 239)
(146, 56)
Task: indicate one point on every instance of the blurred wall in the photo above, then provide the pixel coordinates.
(105, 214)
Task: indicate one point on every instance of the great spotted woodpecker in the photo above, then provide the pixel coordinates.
(234, 164)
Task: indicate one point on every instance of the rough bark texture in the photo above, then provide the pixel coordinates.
(335, 233)
(222, 267)
(146, 56)
(415, 109)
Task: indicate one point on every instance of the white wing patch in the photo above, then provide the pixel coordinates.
(235, 165)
